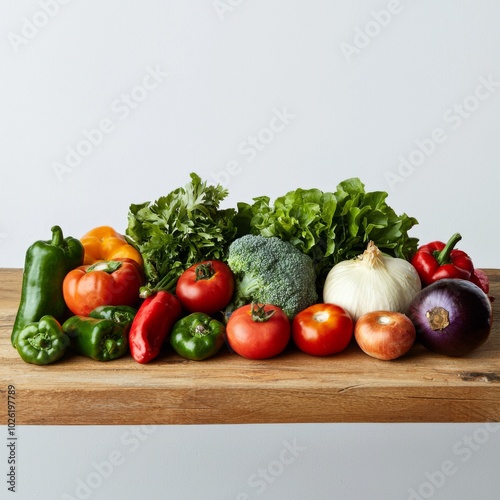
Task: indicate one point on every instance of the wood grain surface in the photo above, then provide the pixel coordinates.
(228, 389)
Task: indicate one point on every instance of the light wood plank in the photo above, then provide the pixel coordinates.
(228, 389)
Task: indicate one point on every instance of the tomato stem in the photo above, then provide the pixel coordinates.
(204, 271)
(259, 313)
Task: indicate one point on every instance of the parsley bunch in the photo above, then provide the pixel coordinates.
(180, 229)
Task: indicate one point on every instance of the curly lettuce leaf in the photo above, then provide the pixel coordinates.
(330, 226)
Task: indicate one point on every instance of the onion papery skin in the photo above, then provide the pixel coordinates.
(464, 311)
(372, 282)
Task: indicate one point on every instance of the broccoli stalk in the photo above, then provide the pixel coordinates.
(269, 270)
(248, 287)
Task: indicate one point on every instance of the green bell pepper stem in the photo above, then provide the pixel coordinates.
(43, 342)
(45, 267)
(197, 336)
(107, 266)
(123, 315)
(443, 257)
(99, 339)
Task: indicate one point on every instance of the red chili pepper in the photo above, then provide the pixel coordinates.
(152, 324)
(438, 260)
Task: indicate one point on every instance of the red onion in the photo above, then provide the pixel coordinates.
(451, 316)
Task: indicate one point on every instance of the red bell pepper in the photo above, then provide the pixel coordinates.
(152, 324)
(481, 279)
(438, 260)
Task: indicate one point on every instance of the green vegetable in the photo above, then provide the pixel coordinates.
(269, 270)
(45, 266)
(124, 315)
(197, 336)
(180, 229)
(330, 226)
(42, 342)
(99, 339)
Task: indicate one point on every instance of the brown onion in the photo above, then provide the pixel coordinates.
(384, 335)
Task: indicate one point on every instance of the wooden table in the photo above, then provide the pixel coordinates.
(228, 389)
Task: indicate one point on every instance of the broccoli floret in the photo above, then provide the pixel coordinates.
(269, 270)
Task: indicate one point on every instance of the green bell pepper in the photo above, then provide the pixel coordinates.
(99, 339)
(197, 336)
(123, 315)
(45, 267)
(43, 342)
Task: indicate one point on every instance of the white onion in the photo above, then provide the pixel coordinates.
(372, 282)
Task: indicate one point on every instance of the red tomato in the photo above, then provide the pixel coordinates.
(104, 283)
(322, 329)
(205, 287)
(255, 338)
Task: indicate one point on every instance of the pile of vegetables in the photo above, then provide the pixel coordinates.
(314, 269)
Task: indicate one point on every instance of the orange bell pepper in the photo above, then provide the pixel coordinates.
(105, 283)
(104, 243)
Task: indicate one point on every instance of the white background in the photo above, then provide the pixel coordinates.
(364, 87)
